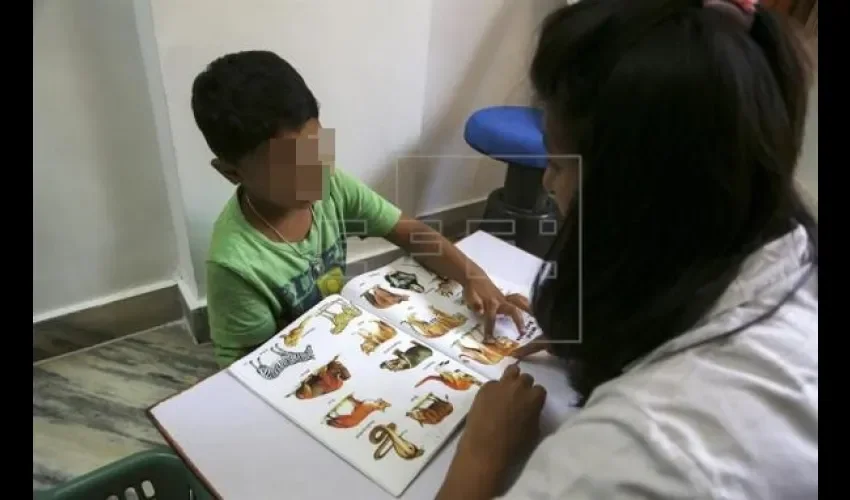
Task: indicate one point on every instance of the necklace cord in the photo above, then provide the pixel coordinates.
(276, 232)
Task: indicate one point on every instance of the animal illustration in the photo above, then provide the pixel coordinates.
(294, 336)
(456, 379)
(502, 345)
(412, 357)
(530, 328)
(478, 353)
(386, 438)
(487, 352)
(325, 380)
(404, 281)
(441, 324)
(371, 340)
(342, 318)
(432, 410)
(445, 286)
(381, 298)
(285, 360)
(360, 410)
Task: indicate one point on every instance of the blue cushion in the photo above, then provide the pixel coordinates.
(512, 134)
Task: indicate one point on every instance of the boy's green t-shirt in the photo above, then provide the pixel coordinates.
(256, 286)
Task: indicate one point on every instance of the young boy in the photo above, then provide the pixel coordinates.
(279, 245)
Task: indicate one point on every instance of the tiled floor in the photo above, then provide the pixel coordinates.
(89, 407)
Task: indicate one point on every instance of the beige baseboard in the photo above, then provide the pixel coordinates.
(104, 322)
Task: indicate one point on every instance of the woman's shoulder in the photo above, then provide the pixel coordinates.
(726, 406)
(686, 428)
(704, 422)
(611, 449)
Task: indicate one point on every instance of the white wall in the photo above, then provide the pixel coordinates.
(395, 78)
(123, 195)
(123, 192)
(101, 222)
(363, 60)
(807, 173)
(478, 55)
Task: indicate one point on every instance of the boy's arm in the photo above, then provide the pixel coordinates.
(440, 255)
(434, 251)
(378, 217)
(239, 317)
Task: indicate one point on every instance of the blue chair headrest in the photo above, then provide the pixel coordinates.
(512, 134)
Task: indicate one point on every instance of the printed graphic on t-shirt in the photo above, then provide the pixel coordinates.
(331, 282)
(316, 282)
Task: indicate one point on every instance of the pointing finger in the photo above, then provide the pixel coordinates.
(490, 314)
(474, 303)
(516, 315)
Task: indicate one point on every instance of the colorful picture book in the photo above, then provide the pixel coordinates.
(384, 373)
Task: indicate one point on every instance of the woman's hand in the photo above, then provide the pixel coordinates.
(504, 422)
(505, 417)
(533, 347)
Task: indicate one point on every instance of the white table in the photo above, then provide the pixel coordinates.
(245, 450)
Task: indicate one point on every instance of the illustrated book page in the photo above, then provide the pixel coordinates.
(432, 308)
(379, 398)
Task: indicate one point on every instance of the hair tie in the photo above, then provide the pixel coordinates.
(742, 10)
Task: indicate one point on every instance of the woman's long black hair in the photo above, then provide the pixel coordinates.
(689, 124)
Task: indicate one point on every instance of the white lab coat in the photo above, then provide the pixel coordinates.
(705, 416)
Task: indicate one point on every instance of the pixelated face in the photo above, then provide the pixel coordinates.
(293, 169)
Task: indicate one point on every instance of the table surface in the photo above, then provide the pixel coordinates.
(243, 448)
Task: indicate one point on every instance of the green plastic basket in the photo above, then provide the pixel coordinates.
(157, 474)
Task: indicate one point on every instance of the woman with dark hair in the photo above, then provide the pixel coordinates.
(684, 294)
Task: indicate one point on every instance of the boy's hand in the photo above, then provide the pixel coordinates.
(439, 255)
(520, 301)
(485, 298)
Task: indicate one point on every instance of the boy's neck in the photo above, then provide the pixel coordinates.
(270, 212)
(291, 222)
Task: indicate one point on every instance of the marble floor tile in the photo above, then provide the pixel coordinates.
(89, 407)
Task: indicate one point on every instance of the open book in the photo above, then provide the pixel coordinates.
(385, 372)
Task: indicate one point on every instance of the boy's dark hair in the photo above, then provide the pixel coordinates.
(244, 99)
(689, 124)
